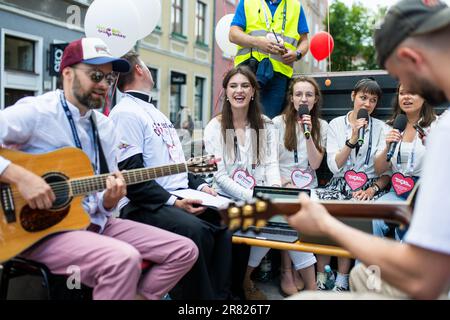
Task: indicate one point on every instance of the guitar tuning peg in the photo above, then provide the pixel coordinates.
(261, 206)
(247, 210)
(234, 212)
(261, 223)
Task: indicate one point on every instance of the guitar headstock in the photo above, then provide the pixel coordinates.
(242, 215)
(202, 165)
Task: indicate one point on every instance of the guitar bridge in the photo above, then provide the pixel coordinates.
(7, 201)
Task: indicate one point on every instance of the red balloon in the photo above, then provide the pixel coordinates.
(321, 45)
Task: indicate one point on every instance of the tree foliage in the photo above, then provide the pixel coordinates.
(352, 30)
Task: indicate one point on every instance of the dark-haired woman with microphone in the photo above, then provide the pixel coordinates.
(299, 157)
(352, 141)
(407, 159)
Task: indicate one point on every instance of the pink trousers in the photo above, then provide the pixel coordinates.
(110, 262)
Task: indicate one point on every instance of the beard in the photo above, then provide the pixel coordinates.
(85, 97)
(430, 92)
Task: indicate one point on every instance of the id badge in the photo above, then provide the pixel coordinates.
(355, 180)
(402, 184)
(301, 178)
(244, 179)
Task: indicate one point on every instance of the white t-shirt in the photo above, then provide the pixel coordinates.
(339, 131)
(3, 164)
(430, 226)
(147, 130)
(286, 158)
(265, 174)
(412, 154)
(39, 125)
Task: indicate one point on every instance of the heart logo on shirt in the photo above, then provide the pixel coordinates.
(401, 183)
(301, 178)
(355, 180)
(244, 179)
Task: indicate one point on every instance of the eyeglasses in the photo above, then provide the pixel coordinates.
(97, 76)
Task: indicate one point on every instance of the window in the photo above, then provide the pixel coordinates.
(200, 22)
(177, 16)
(199, 98)
(14, 95)
(19, 54)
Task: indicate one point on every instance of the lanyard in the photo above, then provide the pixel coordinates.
(266, 17)
(369, 148)
(411, 158)
(75, 135)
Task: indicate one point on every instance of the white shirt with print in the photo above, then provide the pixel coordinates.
(339, 131)
(265, 174)
(286, 157)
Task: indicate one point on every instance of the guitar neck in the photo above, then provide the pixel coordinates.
(389, 211)
(82, 186)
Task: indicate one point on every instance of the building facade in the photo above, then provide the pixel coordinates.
(28, 32)
(179, 54)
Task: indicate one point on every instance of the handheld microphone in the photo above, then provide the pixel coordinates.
(399, 124)
(362, 114)
(304, 110)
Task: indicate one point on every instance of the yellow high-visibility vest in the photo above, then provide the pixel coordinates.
(256, 26)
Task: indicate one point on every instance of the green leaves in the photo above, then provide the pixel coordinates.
(352, 30)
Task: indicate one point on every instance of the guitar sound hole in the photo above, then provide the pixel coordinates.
(60, 187)
(38, 220)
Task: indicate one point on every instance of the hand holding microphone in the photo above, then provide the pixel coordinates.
(400, 125)
(362, 114)
(303, 110)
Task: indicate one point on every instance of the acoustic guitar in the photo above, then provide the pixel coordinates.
(69, 173)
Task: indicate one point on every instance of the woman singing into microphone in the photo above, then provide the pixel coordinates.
(407, 160)
(352, 163)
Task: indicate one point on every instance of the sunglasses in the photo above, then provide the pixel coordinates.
(97, 76)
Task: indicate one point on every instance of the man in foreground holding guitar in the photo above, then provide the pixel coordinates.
(151, 140)
(110, 252)
(33, 188)
(413, 45)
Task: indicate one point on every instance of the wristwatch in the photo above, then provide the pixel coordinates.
(299, 55)
(376, 188)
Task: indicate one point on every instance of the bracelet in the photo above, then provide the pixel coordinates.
(350, 145)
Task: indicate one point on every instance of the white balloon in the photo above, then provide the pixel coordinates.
(114, 21)
(222, 35)
(150, 13)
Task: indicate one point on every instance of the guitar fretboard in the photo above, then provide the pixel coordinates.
(82, 186)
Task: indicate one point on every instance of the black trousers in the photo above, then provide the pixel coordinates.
(210, 277)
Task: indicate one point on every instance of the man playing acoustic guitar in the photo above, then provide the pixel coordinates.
(110, 252)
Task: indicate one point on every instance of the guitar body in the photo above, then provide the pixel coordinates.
(20, 226)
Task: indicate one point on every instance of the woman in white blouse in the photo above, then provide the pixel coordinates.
(352, 165)
(245, 140)
(299, 158)
(407, 161)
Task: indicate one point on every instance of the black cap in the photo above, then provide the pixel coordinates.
(409, 18)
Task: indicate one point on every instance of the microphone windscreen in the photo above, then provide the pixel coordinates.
(362, 114)
(400, 122)
(302, 110)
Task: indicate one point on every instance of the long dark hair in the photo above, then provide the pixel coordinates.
(427, 114)
(254, 115)
(290, 116)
